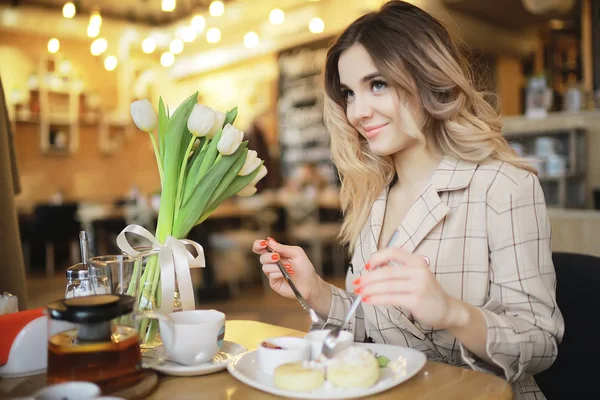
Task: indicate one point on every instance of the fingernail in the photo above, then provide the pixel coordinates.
(263, 243)
(368, 266)
(358, 290)
(291, 272)
(275, 257)
(270, 238)
(366, 299)
(287, 266)
(356, 282)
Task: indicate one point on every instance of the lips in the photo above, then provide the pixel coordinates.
(372, 131)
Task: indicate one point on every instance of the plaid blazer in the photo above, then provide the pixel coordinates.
(485, 229)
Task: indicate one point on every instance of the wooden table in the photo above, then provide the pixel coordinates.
(434, 382)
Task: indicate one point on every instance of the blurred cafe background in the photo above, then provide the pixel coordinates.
(70, 70)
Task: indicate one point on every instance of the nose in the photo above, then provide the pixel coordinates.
(361, 108)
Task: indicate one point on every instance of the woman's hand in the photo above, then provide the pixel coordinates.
(410, 285)
(297, 264)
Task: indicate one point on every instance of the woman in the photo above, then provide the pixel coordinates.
(469, 279)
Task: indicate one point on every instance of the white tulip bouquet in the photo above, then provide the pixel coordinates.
(202, 160)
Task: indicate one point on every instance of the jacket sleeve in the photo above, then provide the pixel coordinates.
(524, 324)
(340, 304)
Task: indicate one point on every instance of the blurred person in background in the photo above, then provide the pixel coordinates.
(12, 269)
(469, 280)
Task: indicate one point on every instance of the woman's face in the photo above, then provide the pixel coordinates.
(373, 107)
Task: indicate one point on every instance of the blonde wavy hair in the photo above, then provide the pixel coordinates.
(417, 56)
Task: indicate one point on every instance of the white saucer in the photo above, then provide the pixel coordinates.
(404, 364)
(219, 362)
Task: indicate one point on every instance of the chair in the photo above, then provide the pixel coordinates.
(574, 373)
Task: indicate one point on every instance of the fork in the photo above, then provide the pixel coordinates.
(314, 317)
(330, 342)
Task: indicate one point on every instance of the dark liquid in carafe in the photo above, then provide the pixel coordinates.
(72, 360)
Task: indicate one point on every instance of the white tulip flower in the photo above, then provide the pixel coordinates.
(201, 120)
(219, 119)
(252, 162)
(143, 115)
(247, 191)
(261, 174)
(231, 138)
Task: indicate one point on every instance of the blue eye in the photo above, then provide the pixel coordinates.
(347, 94)
(377, 85)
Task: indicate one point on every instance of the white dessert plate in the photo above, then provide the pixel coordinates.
(219, 362)
(404, 364)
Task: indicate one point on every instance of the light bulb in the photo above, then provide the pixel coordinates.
(199, 23)
(98, 46)
(188, 34)
(93, 30)
(148, 45)
(168, 5)
(216, 8)
(176, 46)
(213, 35)
(251, 40)
(110, 63)
(167, 59)
(316, 25)
(96, 19)
(276, 16)
(69, 10)
(53, 45)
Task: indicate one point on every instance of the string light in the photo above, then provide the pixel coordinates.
(53, 45)
(276, 16)
(251, 40)
(213, 35)
(69, 10)
(93, 30)
(176, 46)
(110, 63)
(168, 5)
(216, 8)
(148, 45)
(96, 19)
(199, 23)
(167, 59)
(188, 34)
(98, 46)
(316, 25)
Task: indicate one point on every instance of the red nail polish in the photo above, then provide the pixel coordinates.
(358, 290)
(288, 266)
(368, 266)
(263, 243)
(275, 257)
(356, 282)
(366, 299)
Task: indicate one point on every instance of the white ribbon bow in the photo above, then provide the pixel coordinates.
(175, 261)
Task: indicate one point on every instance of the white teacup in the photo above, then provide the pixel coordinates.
(316, 339)
(193, 337)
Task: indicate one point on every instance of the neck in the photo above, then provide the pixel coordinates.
(414, 165)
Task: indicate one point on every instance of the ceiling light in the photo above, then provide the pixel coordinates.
(176, 46)
(98, 46)
(53, 45)
(251, 40)
(96, 19)
(199, 23)
(167, 59)
(216, 8)
(69, 10)
(188, 34)
(213, 35)
(93, 30)
(276, 16)
(168, 5)
(316, 25)
(148, 45)
(110, 63)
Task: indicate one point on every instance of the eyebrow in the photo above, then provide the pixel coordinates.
(365, 78)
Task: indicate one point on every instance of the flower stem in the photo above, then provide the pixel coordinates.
(182, 175)
(157, 155)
